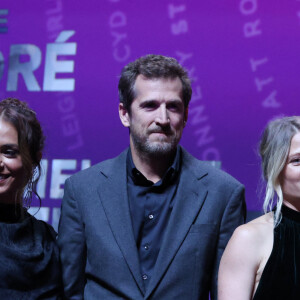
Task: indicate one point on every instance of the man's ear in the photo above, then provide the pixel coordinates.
(186, 113)
(124, 115)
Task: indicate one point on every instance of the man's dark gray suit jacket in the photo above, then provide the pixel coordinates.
(97, 248)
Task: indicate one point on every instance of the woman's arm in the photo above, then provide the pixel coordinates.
(239, 264)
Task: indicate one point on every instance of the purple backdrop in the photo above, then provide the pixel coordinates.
(64, 59)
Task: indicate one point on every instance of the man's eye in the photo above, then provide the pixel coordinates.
(173, 107)
(150, 105)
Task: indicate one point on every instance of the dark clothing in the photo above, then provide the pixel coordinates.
(29, 257)
(98, 250)
(280, 279)
(150, 207)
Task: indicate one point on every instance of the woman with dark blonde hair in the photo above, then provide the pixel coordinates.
(262, 259)
(29, 258)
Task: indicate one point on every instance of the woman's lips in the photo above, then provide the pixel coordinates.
(4, 176)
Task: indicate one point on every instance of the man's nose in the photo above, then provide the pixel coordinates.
(162, 117)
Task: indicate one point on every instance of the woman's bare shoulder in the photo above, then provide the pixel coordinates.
(267, 219)
(245, 257)
(255, 232)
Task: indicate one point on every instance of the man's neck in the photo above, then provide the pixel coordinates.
(152, 167)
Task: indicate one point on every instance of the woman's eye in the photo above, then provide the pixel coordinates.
(295, 161)
(11, 152)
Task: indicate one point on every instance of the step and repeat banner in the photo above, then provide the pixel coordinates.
(64, 58)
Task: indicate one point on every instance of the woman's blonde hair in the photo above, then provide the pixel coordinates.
(274, 149)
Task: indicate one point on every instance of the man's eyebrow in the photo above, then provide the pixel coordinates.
(169, 100)
(148, 101)
(175, 100)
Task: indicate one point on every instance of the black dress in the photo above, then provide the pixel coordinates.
(29, 257)
(281, 276)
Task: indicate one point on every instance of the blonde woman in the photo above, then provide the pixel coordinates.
(262, 259)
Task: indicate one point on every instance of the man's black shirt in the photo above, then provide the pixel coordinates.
(150, 208)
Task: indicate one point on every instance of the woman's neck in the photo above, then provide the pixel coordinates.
(295, 205)
(11, 212)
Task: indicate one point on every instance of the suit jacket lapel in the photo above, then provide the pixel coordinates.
(113, 195)
(189, 199)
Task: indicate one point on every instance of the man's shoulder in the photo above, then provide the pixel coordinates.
(206, 169)
(105, 166)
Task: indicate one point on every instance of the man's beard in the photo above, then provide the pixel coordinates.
(155, 148)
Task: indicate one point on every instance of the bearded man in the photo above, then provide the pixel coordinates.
(153, 222)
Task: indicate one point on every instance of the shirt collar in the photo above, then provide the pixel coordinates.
(139, 179)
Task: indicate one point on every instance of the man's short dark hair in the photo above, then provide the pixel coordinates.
(152, 67)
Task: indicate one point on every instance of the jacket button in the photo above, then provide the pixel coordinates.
(145, 277)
